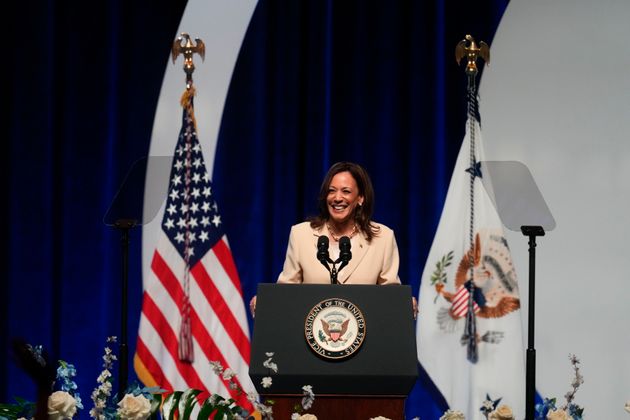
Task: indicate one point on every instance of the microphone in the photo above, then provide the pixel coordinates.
(344, 251)
(322, 251)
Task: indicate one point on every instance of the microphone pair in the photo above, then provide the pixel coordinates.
(345, 255)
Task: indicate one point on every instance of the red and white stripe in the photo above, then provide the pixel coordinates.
(460, 303)
(219, 323)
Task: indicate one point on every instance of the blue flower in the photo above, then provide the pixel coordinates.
(547, 405)
(489, 405)
(575, 411)
(65, 373)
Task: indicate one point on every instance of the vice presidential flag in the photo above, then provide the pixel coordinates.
(192, 310)
(469, 332)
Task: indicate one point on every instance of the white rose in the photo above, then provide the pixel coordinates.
(380, 418)
(453, 415)
(134, 408)
(307, 417)
(61, 405)
(503, 412)
(558, 415)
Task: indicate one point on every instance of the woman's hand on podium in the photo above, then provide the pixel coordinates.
(252, 306)
(414, 307)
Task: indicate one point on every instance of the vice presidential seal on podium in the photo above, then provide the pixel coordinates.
(335, 328)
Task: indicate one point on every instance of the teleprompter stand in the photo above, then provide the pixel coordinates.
(530, 379)
(373, 381)
(137, 201)
(521, 208)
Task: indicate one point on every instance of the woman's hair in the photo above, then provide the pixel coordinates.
(363, 213)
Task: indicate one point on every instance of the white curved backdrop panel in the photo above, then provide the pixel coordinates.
(557, 97)
(222, 25)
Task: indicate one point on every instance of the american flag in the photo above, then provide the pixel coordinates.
(460, 302)
(192, 310)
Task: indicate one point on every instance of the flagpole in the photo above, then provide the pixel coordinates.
(184, 45)
(469, 49)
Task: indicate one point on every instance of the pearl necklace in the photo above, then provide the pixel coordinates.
(335, 237)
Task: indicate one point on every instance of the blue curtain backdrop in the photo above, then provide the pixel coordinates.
(316, 82)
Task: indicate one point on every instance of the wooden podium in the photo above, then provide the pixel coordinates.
(373, 381)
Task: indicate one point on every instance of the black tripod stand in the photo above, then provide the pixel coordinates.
(124, 226)
(530, 368)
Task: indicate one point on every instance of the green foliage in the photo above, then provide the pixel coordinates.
(439, 274)
(170, 405)
(187, 402)
(181, 404)
(21, 408)
(156, 401)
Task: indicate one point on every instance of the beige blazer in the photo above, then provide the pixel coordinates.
(374, 262)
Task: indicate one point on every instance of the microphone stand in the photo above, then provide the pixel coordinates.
(333, 272)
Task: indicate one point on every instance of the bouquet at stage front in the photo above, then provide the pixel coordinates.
(547, 410)
(55, 384)
(570, 410)
(59, 396)
(137, 403)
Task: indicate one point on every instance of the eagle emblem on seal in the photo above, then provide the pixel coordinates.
(494, 286)
(334, 330)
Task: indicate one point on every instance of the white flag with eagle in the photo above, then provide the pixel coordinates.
(469, 333)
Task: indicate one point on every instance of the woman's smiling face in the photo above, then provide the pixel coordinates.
(343, 198)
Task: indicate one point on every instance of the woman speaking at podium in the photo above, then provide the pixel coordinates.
(345, 205)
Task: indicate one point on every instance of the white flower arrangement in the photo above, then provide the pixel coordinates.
(453, 415)
(140, 404)
(502, 412)
(215, 404)
(61, 406)
(134, 407)
(489, 409)
(307, 416)
(269, 363)
(103, 391)
(569, 411)
(63, 403)
(309, 397)
(558, 414)
(266, 382)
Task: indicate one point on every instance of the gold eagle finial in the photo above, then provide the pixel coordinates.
(184, 45)
(468, 48)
